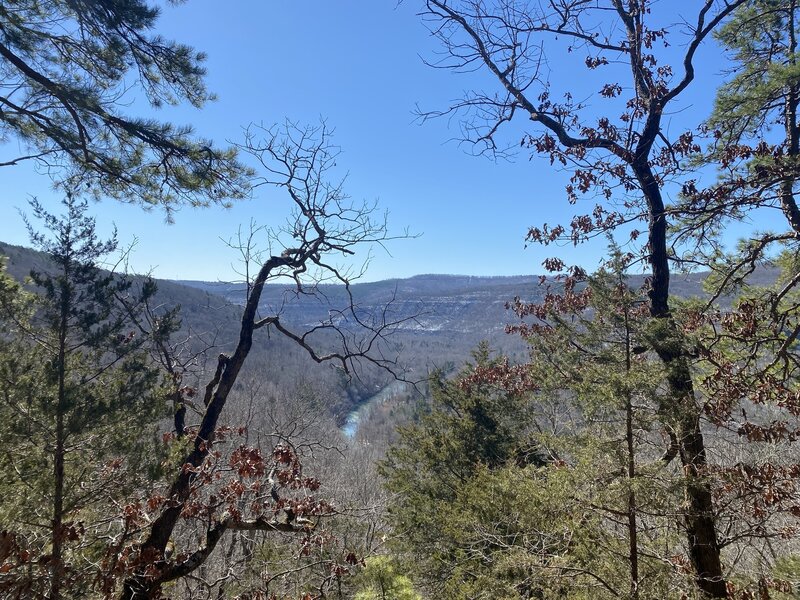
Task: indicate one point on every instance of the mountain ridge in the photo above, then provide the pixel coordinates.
(442, 318)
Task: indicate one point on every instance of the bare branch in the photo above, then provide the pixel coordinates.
(323, 224)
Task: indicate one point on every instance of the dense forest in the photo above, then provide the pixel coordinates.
(620, 436)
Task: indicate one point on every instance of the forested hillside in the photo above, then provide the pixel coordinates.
(208, 326)
(442, 319)
(624, 425)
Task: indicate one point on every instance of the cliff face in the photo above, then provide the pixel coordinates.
(430, 303)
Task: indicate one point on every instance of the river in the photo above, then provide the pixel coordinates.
(353, 419)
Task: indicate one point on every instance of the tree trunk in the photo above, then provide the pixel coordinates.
(788, 202)
(57, 567)
(633, 538)
(683, 415)
(138, 586)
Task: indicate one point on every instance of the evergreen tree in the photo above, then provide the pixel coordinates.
(597, 519)
(78, 394)
(437, 459)
(764, 87)
(67, 69)
(380, 581)
(593, 365)
(756, 145)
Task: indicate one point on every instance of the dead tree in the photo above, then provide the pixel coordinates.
(324, 226)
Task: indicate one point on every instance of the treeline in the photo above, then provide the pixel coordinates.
(700, 448)
(645, 448)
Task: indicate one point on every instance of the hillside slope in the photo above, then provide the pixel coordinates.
(211, 322)
(443, 318)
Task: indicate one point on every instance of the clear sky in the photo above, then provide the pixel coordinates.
(357, 64)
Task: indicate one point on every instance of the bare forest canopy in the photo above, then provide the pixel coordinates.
(448, 315)
(301, 436)
(444, 318)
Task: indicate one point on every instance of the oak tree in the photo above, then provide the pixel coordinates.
(324, 227)
(613, 139)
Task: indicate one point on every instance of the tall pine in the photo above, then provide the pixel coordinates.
(79, 400)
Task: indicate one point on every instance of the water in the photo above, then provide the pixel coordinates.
(353, 420)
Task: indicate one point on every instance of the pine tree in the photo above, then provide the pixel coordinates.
(69, 67)
(755, 148)
(79, 396)
(380, 581)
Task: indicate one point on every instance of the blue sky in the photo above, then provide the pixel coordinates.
(358, 65)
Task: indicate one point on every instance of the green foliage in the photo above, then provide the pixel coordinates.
(68, 68)
(380, 581)
(786, 570)
(79, 404)
(597, 366)
(755, 147)
(765, 68)
(436, 462)
(482, 513)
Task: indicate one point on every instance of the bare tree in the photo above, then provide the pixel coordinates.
(624, 160)
(324, 225)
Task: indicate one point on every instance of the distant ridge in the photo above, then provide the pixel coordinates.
(443, 317)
